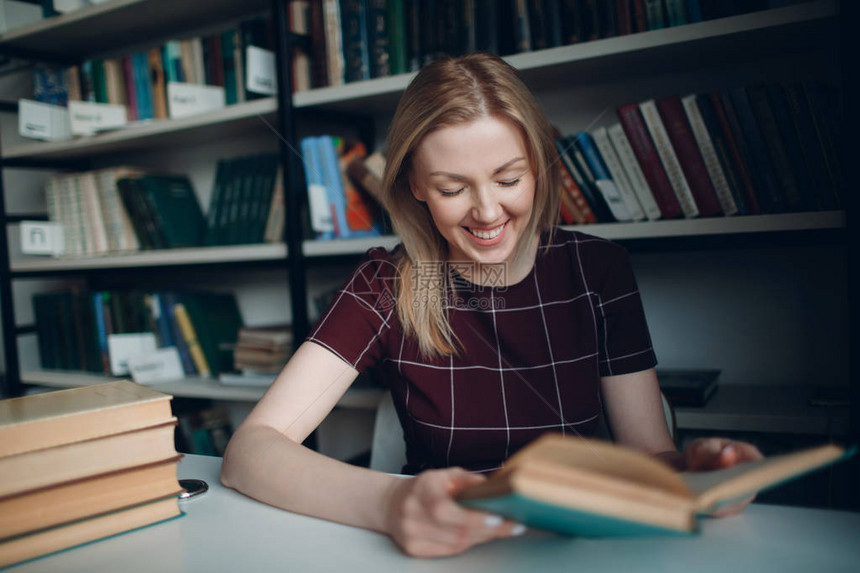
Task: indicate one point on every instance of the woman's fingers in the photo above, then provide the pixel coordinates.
(427, 521)
(705, 454)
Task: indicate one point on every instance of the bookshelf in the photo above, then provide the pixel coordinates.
(668, 53)
(100, 31)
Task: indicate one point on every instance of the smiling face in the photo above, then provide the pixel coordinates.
(479, 187)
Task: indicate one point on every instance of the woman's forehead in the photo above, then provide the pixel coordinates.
(487, 142)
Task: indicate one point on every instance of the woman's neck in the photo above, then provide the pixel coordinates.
(501, 274)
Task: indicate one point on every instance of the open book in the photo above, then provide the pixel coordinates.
(596, 488)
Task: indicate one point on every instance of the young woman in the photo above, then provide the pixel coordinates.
(489, 325)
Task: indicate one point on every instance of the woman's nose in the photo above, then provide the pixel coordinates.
(486, 207)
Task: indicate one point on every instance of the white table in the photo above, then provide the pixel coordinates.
(224, 531)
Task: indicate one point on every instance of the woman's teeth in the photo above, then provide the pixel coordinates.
(488, 234)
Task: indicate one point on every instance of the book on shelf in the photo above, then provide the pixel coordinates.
(357, 40)
(616, 172)
(336, 211)
(73, 326)
(713, 156)
(595, 488)
(95, 461)
(737, 105)
(361, 208)
(688, 387)
(189, 335)
(636, 130)
(274, 336)
(169, 202)
(724, 130)
(813, 152)
(793, 199)
(590, 194)
(669, 158)
(217, 320)
(597, 174)
(630, 167)
(205, 432)
(689, 156)
(139, 80)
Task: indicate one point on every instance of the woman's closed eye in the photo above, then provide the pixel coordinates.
(510, 182)
(451, 193)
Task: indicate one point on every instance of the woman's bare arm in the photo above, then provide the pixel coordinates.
(265, 459)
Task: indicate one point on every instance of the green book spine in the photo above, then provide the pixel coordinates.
(216, 320)
(100, 81)
(231, 83)
(396, 37)
(175, 208)
(241, 229)
(216, 202)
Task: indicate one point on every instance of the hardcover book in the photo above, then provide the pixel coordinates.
(65, 416)
(688, 387)
(595, 488)
(649, 161)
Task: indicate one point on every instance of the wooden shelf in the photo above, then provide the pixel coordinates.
(100, 28)
(169, 257)
(674, 49)
(223, 123)
(194, 387)
(676, 228)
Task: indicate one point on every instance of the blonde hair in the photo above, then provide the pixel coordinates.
(455, 91)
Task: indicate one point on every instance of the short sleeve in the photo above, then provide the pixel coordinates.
(623, 336)
(358, 320)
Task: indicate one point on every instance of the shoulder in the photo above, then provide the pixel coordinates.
(375, 274)
(588, 248)
(599, 263)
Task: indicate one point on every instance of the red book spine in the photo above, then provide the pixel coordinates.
(566, 212)
(652, 168)
(737, 159)
(640, 23)
(575, 193)
(687, 149)
(130, 89)
(624, 17)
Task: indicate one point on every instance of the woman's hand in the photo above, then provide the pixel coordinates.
(704, 454)
(425, 521)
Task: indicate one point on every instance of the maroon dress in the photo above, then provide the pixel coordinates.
(533, 352)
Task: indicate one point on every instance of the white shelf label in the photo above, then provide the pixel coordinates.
(163, 365)
(42, 238)
(43, 121)
(122, 347)
(88, 118)
(260, 71)
(184, 99)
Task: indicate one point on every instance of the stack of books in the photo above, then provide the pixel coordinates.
(261, 352)
(83, 464)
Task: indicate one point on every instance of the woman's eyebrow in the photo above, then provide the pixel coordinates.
(463, 178)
